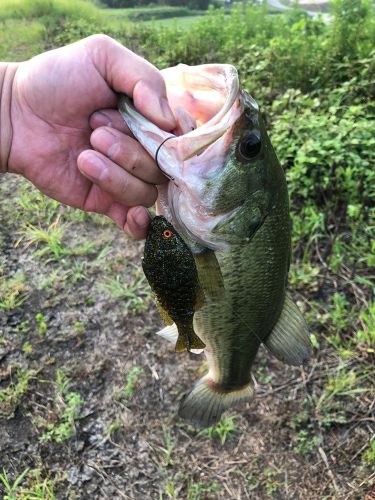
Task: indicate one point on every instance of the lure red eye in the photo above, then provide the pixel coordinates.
(167, 233)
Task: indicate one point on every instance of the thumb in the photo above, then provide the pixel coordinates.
(129, 73)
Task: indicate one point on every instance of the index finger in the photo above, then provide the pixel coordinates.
(126, 72)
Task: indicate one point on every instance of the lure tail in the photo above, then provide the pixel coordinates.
(204, 405)
(188, 339)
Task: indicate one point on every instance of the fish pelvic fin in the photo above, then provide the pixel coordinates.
(289, 340)
(188, 339)
(206, 402)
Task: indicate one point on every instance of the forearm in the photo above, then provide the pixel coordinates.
(7, 72)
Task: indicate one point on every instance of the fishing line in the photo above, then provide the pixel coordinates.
(156, 157)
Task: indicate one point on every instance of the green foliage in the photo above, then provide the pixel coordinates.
(11, 396)
(132, 290)
(222, 430)
(131, 382)
(29, 485)
(68, 404)
(13, 292)
(26, 9)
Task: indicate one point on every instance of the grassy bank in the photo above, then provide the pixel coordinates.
(88, 395)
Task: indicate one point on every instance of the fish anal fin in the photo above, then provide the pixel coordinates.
(206, 402)
(289, 340)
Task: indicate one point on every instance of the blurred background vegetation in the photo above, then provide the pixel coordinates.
(314, 79)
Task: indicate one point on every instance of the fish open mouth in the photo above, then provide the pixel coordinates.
(207, 102)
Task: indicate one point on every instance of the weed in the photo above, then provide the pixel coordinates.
(13, 292)
(134, 292)
(11, 396)
(113, 427)
(11, 489)
(29, 485)
(222, 430)
(68, 405)
(200, 491)
(42, 324)
(50, 239)
(343, 383)
(368, 455)
(304, 443)
(168, 446)
(131, 381)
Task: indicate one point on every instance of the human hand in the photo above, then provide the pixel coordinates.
(58, 98)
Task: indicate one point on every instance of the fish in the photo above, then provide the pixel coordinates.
(170, 269)
(227, 197)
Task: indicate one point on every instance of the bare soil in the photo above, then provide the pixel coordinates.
(285, 445)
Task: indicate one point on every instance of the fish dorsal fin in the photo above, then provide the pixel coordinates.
(289, 340)
(163, 313)
(209, 273)
(170, 333)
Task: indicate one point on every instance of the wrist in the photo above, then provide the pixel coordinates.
(7, 73)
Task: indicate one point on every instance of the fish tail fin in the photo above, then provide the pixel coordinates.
(188, 339)
(170, 333)
(205, 403)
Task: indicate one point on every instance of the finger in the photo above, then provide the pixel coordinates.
(114, 180)
(127, 72)
(128, 153)
(137, 223)
(108, 118)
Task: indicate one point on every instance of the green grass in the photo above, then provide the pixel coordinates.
(67, 405)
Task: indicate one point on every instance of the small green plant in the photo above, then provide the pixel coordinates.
(168, 446)
(49, 240)
(68, 404)
(29, 485)
(222, 430)
(13, 292)
(11, 488)
(42, 324)
(134, 292)
(305, 444)
(343, 384)
(131, 381)
(11, 396)
(368, 455)
(200, 491)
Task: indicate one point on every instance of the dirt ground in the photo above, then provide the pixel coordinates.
(73, 332)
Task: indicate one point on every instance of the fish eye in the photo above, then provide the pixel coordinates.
(167, 234)
(250, 145)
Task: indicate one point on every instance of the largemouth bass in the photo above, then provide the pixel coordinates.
(170, 269)
(227, 197)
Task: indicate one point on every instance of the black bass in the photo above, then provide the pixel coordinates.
(227, 197)
(170, 269)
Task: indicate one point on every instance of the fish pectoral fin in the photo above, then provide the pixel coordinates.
(170, 333)
(210, 276)
(245, 220)
(188, 339)
(289, 340)
(163, 313)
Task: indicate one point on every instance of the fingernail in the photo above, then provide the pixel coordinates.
(93, 167)
(141, 217)
(105, 141)
(100, 119)
(167, 113)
